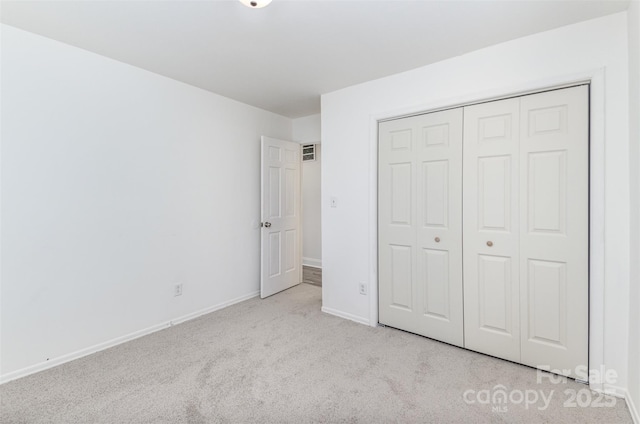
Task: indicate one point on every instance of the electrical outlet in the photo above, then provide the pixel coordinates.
(363, 288)
(177, 289)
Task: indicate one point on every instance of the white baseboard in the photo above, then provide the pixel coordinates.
(621, 393)
(345, 315)
(314, 263)
(118, 340)
(635, 416)
(615, 391)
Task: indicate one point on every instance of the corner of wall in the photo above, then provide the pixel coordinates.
(633, 378)
(1, 34)
(107, 217)
(306, 129)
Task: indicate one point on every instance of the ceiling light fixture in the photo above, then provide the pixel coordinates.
(255, 4)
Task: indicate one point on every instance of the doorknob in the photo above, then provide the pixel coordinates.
(437, 239)
(267, 224)
(489, 243)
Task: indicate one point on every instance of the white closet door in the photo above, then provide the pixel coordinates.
(554, 216)
(420, 234)
(491, 228)
(397, 224)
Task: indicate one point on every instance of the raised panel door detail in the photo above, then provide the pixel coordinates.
(494, 283)
(547, 197)
(275, 154)
(401, 278)
(401, 182)
(291, 156)
(275, 247)
(436, 276)
(401, 140)
(290, 237)
(274, 192)
(290, 192)
(435, 195)
(548, 120)
(494, 193)
(494, 128)
(436, 135)
(547, 302)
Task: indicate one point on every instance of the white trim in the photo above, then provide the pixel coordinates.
(373, 221)
(596, 223)
(340, 314)
(596, 190)
(119, 340)
(0, 223)
(611, 390)
(633, 410)
(313, 263)
(622, 393)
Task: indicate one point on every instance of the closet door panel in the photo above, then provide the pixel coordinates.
(419, 225)
(554, 244)
(397, 224)
(491, 228)
(439, 232)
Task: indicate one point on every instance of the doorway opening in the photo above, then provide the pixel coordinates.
(311, 215)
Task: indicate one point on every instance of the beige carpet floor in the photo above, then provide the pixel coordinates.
(281, 360)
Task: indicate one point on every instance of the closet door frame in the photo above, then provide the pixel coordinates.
(596, 80)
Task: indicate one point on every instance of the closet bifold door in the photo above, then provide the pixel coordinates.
(526, 229)
(491, 228)
(420, 225)
(554, 231)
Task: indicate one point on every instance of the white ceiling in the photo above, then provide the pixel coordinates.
(281, 58)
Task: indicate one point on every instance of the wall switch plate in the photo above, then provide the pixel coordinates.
(177, 289)
(363, 288)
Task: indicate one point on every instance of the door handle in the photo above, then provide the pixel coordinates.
(267, 224)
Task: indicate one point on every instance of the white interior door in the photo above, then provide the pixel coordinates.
(420, 231)
(280, 266)
(554, 230)
(491, 228)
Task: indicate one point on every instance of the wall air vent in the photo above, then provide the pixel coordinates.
(308, 152)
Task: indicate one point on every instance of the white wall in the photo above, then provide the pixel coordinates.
(634, 158)
(349, 152)
(306, 130)
(116, 184)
